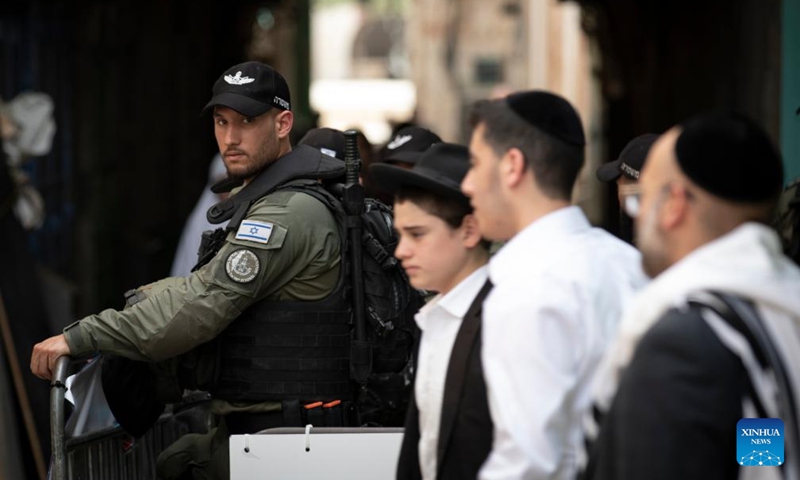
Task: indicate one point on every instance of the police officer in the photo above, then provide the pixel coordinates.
(327, 140)
(278, 258)
(407, 145)
(625, 171)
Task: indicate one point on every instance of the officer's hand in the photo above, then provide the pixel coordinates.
(45, 355)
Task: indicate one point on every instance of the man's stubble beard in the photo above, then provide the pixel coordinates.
(264, 157)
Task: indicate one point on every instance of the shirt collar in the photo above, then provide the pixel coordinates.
(537, 239)
(457, 301)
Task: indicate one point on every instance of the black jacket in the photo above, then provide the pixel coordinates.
(675, 412)
(465, 435)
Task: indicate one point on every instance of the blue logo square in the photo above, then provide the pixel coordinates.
(759, 442)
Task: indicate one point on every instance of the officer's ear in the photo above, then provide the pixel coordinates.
(283, 123)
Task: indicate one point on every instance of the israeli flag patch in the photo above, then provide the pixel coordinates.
(254, 231)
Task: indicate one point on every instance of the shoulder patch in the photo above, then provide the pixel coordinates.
(242, 266)
(254, 231)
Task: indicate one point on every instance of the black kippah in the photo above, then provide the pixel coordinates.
(730, 156)
(549, 113)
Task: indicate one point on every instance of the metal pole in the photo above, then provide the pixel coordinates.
(57, 391)
(22, 394)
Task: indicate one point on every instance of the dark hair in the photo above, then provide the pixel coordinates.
(555, 163)
(450, 210)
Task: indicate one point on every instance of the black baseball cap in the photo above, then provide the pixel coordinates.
(440, 170)
(408, 144)
(327, 140)
(631, 159)
(250, 88)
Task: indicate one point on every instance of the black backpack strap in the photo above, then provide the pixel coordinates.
(743, 317)
(316, 190)
(303, 162)
(238, 216)
(360, 351)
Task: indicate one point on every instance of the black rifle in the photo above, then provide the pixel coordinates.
(353, 202)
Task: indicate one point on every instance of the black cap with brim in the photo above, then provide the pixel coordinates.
(250, 88)
(328, 140)
(403, 157)
(609, 172)
(407, 145)
(631, 159)
(242, 104)
(439, 170)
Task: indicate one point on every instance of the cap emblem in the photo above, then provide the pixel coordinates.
(238, 79)
(399, 141)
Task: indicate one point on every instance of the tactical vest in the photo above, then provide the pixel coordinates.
(281, 350)
(288, 350)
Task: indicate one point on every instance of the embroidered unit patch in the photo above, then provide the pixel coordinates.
(242, 266)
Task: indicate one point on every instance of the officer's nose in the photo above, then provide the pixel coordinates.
(232, 136)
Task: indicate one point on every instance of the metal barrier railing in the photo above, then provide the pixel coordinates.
(57, 391)
(112, 454)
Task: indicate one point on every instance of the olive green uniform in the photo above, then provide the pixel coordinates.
(299, 261)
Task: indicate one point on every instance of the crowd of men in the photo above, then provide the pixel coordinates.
(567, 353)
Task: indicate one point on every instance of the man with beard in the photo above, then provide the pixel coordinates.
(559, 284)
(697, 350)
(278, 258)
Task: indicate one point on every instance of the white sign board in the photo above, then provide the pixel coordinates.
(332, 453)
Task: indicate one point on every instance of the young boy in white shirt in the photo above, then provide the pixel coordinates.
(448, 427)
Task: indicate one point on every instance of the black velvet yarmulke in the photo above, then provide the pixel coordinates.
(549, 113)
(730, 156)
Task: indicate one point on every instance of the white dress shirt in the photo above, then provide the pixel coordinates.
(439, 320)
(559, 290)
